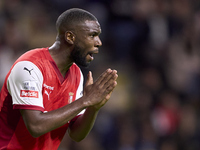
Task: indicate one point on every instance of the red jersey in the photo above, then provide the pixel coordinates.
(35, 82)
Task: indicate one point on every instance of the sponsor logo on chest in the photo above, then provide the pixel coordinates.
(48, 87)
(48, 90)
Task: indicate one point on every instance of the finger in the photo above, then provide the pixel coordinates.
(110, 88)
(108, 96)
(108, 79)
(115, 76)
(115, 71)
(104, 101)
(89, 80)
(111, 81)
(103, 76)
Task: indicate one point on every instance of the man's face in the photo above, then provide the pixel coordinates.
(87, 42)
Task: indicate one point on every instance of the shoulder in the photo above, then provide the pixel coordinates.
(33, 55)
(76, 70)
(25, 70)
(75, 66)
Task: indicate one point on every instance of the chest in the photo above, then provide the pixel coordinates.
(57, 94)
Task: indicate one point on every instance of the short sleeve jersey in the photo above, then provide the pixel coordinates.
(35, 82)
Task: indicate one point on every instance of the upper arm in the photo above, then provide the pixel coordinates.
(31, 119)
(25, 86)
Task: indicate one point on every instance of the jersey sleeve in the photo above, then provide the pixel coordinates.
(25, 86)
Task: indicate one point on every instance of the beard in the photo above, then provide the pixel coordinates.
(79, 57)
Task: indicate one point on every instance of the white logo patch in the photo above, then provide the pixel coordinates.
(29, 85)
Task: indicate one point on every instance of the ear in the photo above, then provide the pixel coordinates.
(69, 37)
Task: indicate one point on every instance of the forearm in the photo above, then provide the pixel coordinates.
(39, 123)
(95, 96)
(82, 126)
(79, 129)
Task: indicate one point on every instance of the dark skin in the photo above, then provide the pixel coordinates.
(85, 40)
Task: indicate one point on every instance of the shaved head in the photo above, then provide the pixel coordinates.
(68, 19)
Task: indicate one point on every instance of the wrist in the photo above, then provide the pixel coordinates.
(85, 102)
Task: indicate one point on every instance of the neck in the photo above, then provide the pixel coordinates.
(61, 56)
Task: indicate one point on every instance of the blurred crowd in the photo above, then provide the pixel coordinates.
(155, 47)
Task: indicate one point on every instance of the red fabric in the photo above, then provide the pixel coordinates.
(13, 132)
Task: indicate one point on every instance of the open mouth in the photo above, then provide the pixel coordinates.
(91, 56)
(92, 53)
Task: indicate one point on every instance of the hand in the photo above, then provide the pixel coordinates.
(99, 92)
(104, 101)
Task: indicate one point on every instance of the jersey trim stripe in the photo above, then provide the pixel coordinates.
(31, 107)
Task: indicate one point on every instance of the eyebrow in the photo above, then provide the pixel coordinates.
(98, 31)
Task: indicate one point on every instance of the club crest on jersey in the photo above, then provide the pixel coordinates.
(70, 97)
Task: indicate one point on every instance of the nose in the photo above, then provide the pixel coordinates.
(98, 42)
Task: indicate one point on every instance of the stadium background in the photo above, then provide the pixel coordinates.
(154, 45)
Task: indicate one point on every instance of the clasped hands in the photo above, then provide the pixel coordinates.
(99, 92)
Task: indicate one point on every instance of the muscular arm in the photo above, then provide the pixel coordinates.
(39, 123)
(79, 129)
